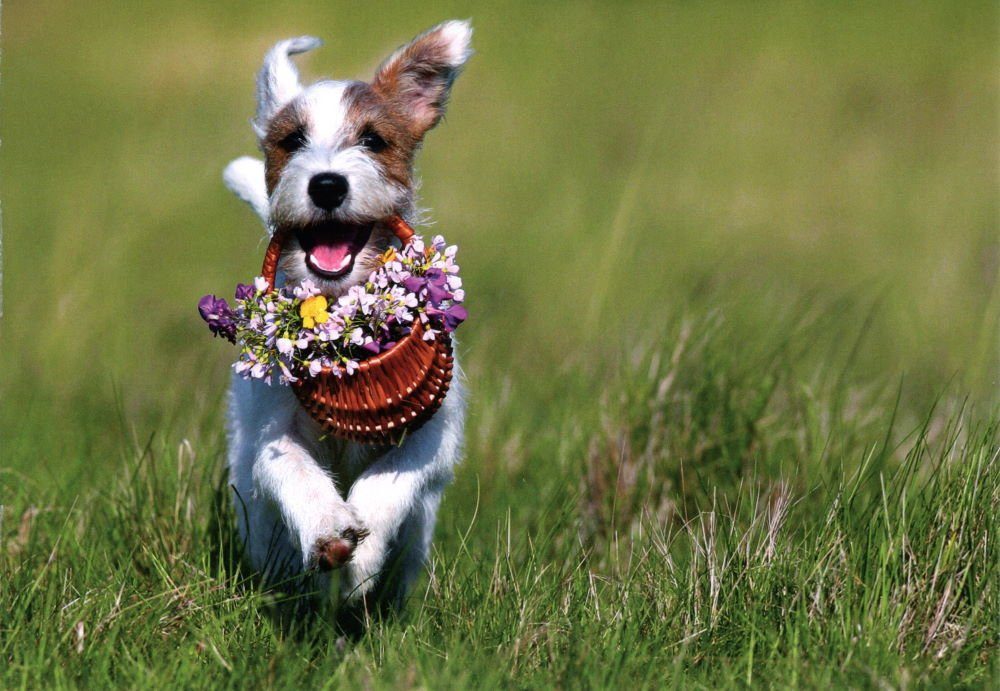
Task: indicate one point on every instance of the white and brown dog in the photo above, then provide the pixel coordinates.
(338, 158)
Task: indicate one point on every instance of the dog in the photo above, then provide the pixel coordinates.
(338, 158)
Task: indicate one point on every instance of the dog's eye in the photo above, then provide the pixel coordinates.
(293, 142)
(371, 140)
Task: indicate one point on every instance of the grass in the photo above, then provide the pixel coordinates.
(733, 355)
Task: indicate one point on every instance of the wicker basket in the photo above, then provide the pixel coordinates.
(390, 394)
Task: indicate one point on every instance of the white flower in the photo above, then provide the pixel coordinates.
(260, 284)
(307, 289)
(286, 374)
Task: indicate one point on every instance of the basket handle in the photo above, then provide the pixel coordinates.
(399, 227)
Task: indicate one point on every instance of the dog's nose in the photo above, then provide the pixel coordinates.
(328, 190)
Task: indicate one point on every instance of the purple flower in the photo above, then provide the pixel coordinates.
(449, 318)
(216, 313)
(436, 284)
(244, 291)
(414, 284)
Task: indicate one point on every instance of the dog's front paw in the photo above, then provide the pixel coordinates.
(330, 553)
(365, 567)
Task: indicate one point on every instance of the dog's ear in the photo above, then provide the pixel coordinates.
(245, 177)
(278, 80)
(418, 77)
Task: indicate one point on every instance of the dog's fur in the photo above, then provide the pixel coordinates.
(304, 501)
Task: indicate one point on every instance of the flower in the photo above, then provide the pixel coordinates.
(295, 332)
(313, 311)
(434, 282)
(217, 313)
(306, 290)
(449, 317)
(387, 256)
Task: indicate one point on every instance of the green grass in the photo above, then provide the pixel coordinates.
(733, 357)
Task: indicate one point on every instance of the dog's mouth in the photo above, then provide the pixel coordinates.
(331, 247)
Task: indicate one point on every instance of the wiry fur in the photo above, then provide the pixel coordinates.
(295, 489)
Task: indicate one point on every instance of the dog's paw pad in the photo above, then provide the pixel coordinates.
(332, 553)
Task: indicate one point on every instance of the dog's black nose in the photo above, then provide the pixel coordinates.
(328, 190)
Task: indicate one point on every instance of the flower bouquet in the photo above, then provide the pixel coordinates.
(368, 365)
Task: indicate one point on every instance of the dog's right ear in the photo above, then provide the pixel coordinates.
(418, 76)
(245, 177)
(278, 80)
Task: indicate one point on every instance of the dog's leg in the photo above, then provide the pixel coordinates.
(320, 523)
(386, 592)
(276, 473)
(409, 554)
(404, 485)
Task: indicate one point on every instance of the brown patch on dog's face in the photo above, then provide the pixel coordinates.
(368, 113)
(376, 123)
(286, 133)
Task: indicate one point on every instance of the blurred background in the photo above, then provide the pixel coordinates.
(607, 169)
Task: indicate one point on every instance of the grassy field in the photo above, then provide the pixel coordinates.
(734, 347)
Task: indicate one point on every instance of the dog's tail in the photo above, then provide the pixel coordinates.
(245, 177)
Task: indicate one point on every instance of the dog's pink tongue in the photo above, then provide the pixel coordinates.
(331, 256)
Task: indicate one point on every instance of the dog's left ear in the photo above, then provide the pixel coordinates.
(418, 76)
(278, 79)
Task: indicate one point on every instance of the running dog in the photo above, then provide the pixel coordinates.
(338, 158)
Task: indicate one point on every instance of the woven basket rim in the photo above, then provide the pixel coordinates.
(375, 360)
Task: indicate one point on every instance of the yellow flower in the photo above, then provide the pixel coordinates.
(313, 311)
(388, 255)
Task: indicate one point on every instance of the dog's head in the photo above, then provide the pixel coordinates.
(338, 155)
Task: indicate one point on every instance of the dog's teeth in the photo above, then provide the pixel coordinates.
(345, 261)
